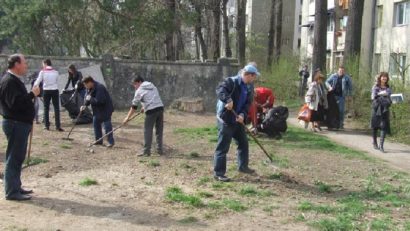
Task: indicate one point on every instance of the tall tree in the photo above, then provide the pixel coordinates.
(319, 44)
(198, 6)
(169, 37)
(225, 22)
(278, 28)
(271, 34)
(216, 29)
(354, 29)
(241, 31)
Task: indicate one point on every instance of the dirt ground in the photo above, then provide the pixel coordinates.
(130, 194)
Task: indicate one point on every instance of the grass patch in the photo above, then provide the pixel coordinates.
(275, 176)
(188, 220)
(338, 223)
(381, 224)
(88, 182)
(205, 194)
(203, 180)
(222, 185)
(308, 206)
(153, 163)
(35, 160)
(323, 187)
(65, 146)
(198, 133)
(248, 191)
(234, 205)
(299, 138)
(175, 194)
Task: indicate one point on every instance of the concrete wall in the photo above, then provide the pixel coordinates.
(173, 80)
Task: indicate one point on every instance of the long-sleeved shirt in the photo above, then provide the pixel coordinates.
(49, 77)
(15, 101)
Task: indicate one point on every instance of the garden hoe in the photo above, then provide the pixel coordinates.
(255, 139)
(72, 128)
(29, 146)
(100, 139)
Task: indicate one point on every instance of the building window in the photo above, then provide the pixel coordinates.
(402, 13)
(343, 23)
(397, 63)
(379, 19)
(330, 24)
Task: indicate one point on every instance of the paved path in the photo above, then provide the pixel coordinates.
(397, 155)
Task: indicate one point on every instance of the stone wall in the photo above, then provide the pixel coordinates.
(174, 80)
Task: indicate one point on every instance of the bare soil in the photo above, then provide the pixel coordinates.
(130, 194)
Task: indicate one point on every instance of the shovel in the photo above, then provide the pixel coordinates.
(123, 124)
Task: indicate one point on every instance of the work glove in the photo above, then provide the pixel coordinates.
(88, 98)
(82, 108)
(76, 86)
(382, 93)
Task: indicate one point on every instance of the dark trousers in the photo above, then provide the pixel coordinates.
(153, 119)
(17, 136)
(51, 95)
(98, 129)
(225, 134)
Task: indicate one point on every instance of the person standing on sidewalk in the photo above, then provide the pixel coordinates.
(234, 99)
(147, 94)
(380, 109)
(303, 79)
(49, 77)
(100, 100)
(341, 85)
(18, 113)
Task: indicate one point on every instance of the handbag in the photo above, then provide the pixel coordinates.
(304, 113)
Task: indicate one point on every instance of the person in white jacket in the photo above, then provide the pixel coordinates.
(317, 100)
(147, 94)
(49, 77)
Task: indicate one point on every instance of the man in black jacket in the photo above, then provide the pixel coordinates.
(101, 103)
(18, 113)
(234, 99)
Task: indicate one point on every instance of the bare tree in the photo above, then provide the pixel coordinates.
(319, 44)
(169, 37)
(240, 31)
(216, 29)
(278, 28)
(271, 34)
(198, 29)
(228, 51)
(354, 29)
(401, 67)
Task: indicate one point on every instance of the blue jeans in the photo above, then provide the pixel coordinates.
(98, 130)
(225, 135)
(340, 100)
(17, 136)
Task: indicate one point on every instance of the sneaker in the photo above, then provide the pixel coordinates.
(60, 129)
(247, 170)
(222, 178)
(110, 145)
(46, 128)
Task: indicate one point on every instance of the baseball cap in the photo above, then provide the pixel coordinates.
(251, 69)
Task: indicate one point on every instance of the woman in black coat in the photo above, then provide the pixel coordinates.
(380, 109)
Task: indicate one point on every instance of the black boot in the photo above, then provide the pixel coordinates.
(375, 146)
(382, 136)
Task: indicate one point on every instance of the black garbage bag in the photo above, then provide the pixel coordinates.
(274, 122)
(72, 101)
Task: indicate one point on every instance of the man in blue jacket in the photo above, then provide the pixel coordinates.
(232, 108)
(342, 87)
(101, 103)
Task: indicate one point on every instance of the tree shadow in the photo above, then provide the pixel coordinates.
(126, 214)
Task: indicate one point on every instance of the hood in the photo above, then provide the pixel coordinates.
(147, 86)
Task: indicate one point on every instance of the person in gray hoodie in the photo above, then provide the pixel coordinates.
(147, 94)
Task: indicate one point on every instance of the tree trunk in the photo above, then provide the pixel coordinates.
(216, 30)
(198, 32)
(319, 44)
(278, 28)
(354, 29)
(228, 51)
(271, 35)
(169, 37)
(241, 31)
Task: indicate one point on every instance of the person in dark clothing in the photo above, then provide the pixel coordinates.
(75, 78)
(303, 78)
(232, 108)
(101, 103)
(380, 109)
(18, 115)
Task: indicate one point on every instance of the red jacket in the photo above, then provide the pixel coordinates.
(264, 98)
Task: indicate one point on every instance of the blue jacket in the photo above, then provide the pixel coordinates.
(347, 85)
(101, 102)
(230, 90)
